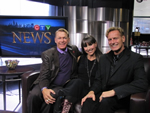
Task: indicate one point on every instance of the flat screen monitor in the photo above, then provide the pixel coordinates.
(28, 36)
(142, 23)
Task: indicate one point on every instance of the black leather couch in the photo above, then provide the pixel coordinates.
(139, 103)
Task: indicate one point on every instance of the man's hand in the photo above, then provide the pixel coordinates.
(89, 95)
(107, 94)
(47, 97)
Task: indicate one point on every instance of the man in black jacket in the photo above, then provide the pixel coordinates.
(120, 74)
(56, 80)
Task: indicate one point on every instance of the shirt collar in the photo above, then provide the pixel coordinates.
(61, 51)
(120, 55)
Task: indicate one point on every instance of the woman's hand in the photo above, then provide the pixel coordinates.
(89, 95)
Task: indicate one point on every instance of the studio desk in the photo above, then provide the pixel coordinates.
(8, 75)
(142, 47)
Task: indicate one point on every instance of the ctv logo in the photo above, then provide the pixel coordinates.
(42, 27)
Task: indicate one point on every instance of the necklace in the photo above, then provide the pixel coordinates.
(89, 72)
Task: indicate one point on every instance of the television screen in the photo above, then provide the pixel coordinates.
(142, 23)
(26, 36)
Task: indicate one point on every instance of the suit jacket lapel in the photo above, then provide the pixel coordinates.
(56, 57)
(121, 61)
(108, 62)
(72, 54)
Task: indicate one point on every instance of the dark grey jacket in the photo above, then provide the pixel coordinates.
(50, 65)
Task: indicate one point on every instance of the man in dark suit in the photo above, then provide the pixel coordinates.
(120, 74)
(57, 77)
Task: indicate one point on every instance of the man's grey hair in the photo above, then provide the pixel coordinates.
(62, 30)
(121, 31)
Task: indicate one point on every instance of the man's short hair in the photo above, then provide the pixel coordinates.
(121, 31)
(62, 30)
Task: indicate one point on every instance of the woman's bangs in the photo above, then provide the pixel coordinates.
(85, 42)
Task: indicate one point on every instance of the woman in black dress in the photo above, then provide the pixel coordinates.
(88, 62)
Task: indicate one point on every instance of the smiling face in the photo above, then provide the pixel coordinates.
(116, 41)
(90, 49)
(62, 40)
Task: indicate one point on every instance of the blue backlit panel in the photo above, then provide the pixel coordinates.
(28, 36)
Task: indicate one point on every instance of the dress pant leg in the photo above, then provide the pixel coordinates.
(107, 105)
(111, 104)
(35, 101)
(90, 106)
(73, 90)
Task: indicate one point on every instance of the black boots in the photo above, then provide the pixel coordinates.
(66, 106)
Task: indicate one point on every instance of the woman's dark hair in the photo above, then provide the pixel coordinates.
(89, 39)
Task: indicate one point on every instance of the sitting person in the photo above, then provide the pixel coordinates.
(120, 74)
(57, 78)
(88, 62)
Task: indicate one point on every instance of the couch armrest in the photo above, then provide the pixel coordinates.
(148, 101)
(27, 80)
(138, 103)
